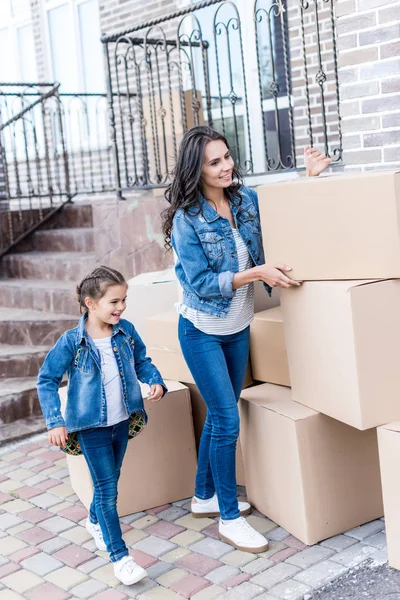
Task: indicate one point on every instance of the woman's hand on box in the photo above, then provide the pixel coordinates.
(274, 275)
(58, 436)
(315, 162)
(156, 392)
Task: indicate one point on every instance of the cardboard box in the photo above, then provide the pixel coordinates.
(163, 456)
(312, 475)
(199, 411)
(268, 349)
(164, 348)
(148, 295)
(338, 227)
(343, 347)
(389, 456)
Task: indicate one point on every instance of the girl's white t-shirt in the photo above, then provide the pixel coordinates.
(116, 411)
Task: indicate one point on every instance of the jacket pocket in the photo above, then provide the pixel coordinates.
(127, 349)
(83, 361)
(213, 243)
(250, 219)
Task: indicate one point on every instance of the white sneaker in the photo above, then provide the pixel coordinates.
(95, 531)
(211, 508)
(128, 572)
(242, 536)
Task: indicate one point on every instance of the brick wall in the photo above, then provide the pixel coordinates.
(369, 75)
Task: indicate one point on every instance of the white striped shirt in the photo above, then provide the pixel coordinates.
(241, 311)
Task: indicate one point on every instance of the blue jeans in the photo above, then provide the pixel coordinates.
(218, 364)
(104, 449)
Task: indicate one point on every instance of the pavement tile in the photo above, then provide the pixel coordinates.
(58, 508)
(133, 536)
(92, 565)
(57, 524)
(308, 557)
(43, 466)
(353, 556)
(88, 588)
(35, 480)
(339, 542)
(66, 578)
(159, 593)
(128, 519)
(221, 574)
(22, 474)
(244, 591)
(14, 531)
(283, 554)
(62, 490)
(77, 535)
(157, 509)
(46, 591)
(236, 580)
(209, 593)
(320, 574)
(110, 595)
(212, 531)
(10, 485)
(172, 514)
(293, 542)
(106, 575)
(34, 535)
(380, 557)
(8, 520)
(360, 533)
(171, 577)
(211, 547)
(198, 564)
(275, 575)
(164, 530)
(143, 560)
(21, 581)
(5, 498)
(10, 595)
(135, 591)
(16, 506)
(261, 524)
(8, 568)
(187, 538)
(237, 558)
(189, 522)
(378, 540)
(52, 456)
(189, 585)
(290, 590)
(154, 546)
(53, 544)
(257, 566)
(41, 564)
(74, 513)
(36, 515)
(124, 527)
(176, 554)
(45, 500)
(182, 502)
(9, 545)
(23, 554)
(47, 484)
(144, 522)
(27, 492)
(74, 555)
(158, 569)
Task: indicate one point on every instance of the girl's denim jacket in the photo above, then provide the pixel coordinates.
(206, 251)
(76, 355)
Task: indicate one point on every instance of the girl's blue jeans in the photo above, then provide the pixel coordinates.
(104, 449)
(218, 364)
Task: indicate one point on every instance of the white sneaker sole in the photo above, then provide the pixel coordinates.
(202, 515)
(136, 579)
(262, 548)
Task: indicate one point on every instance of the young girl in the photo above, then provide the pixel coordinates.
(213, 225)
(104, 358)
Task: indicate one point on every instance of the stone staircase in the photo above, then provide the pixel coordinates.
(37, 304)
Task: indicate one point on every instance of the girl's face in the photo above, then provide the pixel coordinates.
(110, 307)
(217, 166)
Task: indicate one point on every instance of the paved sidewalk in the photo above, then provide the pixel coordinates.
(47, 554)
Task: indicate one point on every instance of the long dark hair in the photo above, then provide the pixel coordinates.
(186, 187)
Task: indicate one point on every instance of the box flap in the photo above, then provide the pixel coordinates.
(395, 426)
(350, 177)
(278, 399)
(271, 314)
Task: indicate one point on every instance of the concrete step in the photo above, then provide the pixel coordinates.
(59, 240)
(18, 399)
(62, 266)
(71, 216)
(21, 361)
(32, 328)
(40, 295)
(21, 429)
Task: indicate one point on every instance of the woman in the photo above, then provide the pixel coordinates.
(214, 227)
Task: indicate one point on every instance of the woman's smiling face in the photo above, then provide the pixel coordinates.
(217, 165)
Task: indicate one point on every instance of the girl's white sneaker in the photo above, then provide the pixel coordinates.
(210, 508)
(128, 572)
(240, 534)
(95, 531)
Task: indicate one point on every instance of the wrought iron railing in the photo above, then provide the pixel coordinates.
(33, 161)
(264, 74)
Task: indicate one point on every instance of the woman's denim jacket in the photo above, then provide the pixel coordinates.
(206, 251)
(76, 355)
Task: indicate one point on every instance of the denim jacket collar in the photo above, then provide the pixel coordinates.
(82, 334)
(210, 214)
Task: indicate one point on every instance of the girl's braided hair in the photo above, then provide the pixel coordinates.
(96, 283)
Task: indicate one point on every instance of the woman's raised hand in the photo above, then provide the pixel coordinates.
(274, 275)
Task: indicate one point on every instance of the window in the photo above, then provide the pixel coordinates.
(16, 42)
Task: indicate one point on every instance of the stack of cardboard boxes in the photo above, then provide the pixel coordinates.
(310, 450)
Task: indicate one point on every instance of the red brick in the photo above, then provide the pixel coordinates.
(21, 555)
(158, 509)
(212, 531)
(51, 456)
(35, 536)
(48, 483)
(283, 554)
(46, 591)
(8, 568)
(293, 542)
(27, 492)
(5, 498)
(164, 530)
(110, 595)
(74, 513)
(73, 555)
(143, 560)
(236, 579)
(190, 585)
(44, 465)
(35, 515)
(198, 564)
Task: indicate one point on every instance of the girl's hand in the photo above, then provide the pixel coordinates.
(156, 392)
(58, 436)
(274, 276)
(315, 162)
